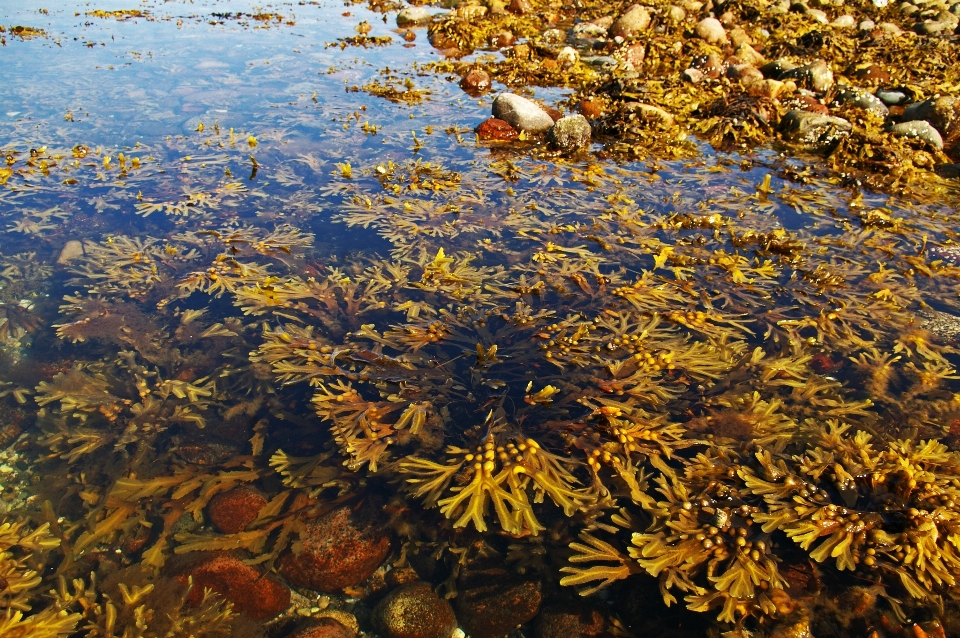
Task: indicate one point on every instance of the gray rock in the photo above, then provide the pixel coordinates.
(863, 99)
(589, 30)
(891, 97)
(813, 131)
(601, 61)
(920, 130)
(633, 21)
(711, 30)
(410, 16)
(569, 133)
(815, 75)
(931, 27)
(521, 113)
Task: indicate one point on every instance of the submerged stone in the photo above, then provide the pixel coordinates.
(410, 16)
(414, 610)
(251, 592)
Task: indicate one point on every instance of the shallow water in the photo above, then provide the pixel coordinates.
(192, 335)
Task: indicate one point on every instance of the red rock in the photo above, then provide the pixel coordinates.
(520, 7)
(409, 35)
(590, 109)
(495, 129)
(808, 103)
(251, 592)
(570, 621)
(634, 55)
(872, 74)
(552, 112)
(231, 511)
(475, 82)
(323, 628)
(504, 39)
(340, 549)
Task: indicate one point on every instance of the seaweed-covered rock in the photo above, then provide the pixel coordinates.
(490, 604)
(521, 113)
(942, 112)
(257, 595)
(414, 610)
(920, 130)
(813, 131)
(570, 133)
(340, 549)
(231, 511)
(648, 115)
(570, 621)
(633, 21)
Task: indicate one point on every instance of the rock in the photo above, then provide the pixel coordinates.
(589, 30)
(323, 628)
(570, 133)
(891, 97)
(504, 39)
(496, 130)
(860, 98)
(490, 604)
(728, 19)
(933, 27)
(815, 75)
(675, 13)
(410, 16)
(776, 68)
(806, 102)
(819, 15)
(604, 62)
(845, 21)
(872, 74)
(414, 610)
(475, 82)
(739, 37)
(941, 112)
(693, 76)
(231, 511)
(258, 596)
(570, 621)
(746, 73)
(648, 115)
(521, 113)
(71, 251)
(568, 57)
(634, 54)
(748, 55)
(520, 7)
(710, 30)
(890, 29)
(711, 65)
(633, 21)
(921, 130)
(591, 109)
(340, 549)
(867, 26)
(812, 130)
(766, 88)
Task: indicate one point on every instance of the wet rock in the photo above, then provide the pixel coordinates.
(711, 65)
(766, 88)
(864, 100)
(748, 55)
(520, 7)
(411, 16)
(570, 133)
(775, 68)
(921, 130)
(568, 57)
(815, 75)
(845, 21)
(491, 605)
(251, 592)
(231, 511)
(71, 251)
(521, 113)
(475, 82)
(323, 628)
(591, 109)
(496, 130)
(340, 549)
(414, 610)
(746, 73)
(648, 115)
(710, 30)
(813, 131)
(633, 21)
(634, 54)
(589, 30)
(504, 39)
(941, 112)
(891, 97)
(570, 621)
(807, 102)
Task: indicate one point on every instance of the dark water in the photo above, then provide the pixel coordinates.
(228, 263)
